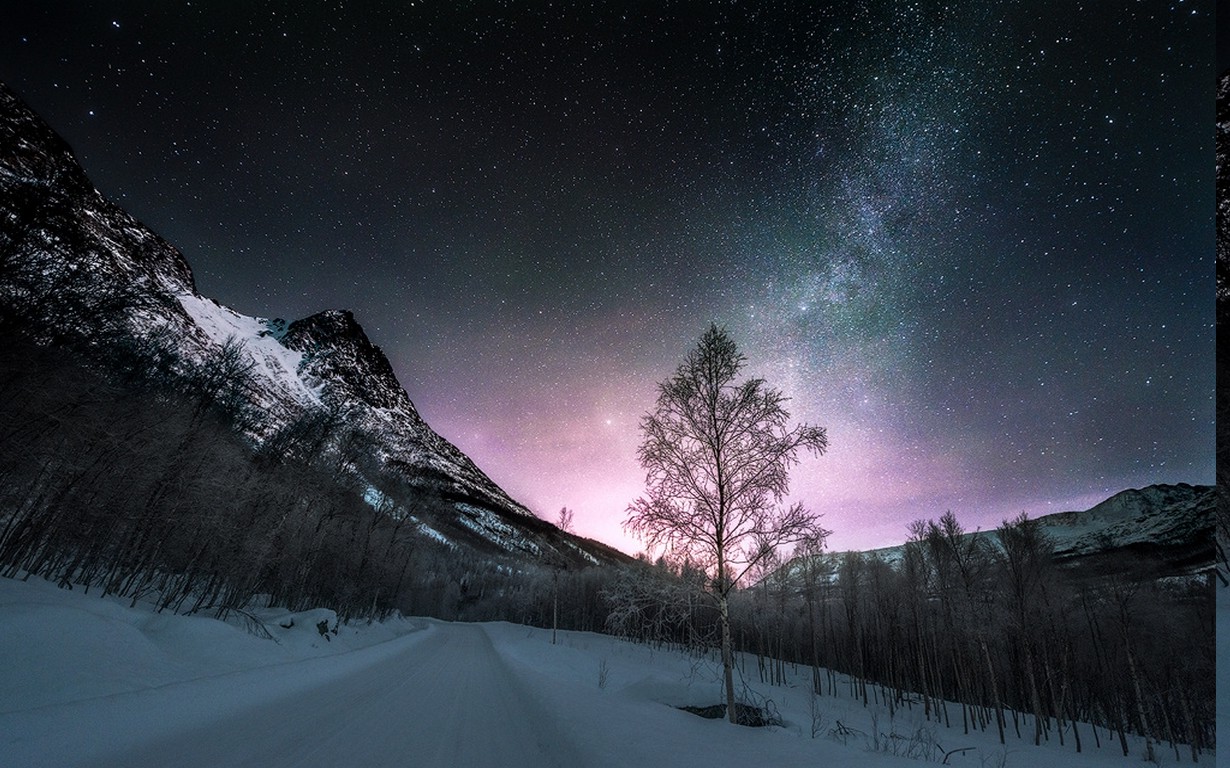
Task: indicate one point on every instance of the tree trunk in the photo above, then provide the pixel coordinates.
(999, 711)
(727, 657)
(1146, 731)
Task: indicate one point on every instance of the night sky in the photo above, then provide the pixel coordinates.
(973, 240)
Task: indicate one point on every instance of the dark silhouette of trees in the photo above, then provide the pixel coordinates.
(717, 456)
(148, 487)
(988, 631)
(135, 472)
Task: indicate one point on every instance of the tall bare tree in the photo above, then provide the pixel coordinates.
(717, 456)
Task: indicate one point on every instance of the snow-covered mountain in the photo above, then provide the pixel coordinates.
(75, 265)
(1164, 516)
(1171, 526)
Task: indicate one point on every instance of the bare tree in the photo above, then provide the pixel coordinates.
(565, 520)
(717, 456)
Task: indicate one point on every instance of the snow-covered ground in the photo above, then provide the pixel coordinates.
(90, 682)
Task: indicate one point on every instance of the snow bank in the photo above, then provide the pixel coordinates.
(82, 675)
(61, 645)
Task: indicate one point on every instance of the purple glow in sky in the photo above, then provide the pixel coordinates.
(974, 242)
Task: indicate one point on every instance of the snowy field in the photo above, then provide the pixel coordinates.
(90, 682)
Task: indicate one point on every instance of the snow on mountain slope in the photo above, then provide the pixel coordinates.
(273, 363)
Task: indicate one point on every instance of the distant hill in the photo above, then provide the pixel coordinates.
(1165, 530)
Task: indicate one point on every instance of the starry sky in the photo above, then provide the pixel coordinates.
(974, 240)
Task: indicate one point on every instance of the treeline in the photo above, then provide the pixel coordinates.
(135, 474)
(137, 479)
(1028, 650)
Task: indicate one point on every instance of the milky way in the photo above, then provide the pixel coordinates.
(973, 240)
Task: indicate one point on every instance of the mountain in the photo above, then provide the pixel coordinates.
(1163, 530)
(1170, 518)
(76, 268)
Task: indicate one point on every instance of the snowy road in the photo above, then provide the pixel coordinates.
(447, 700)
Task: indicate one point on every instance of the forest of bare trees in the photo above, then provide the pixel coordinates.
(1027, 650)
(146, 487)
